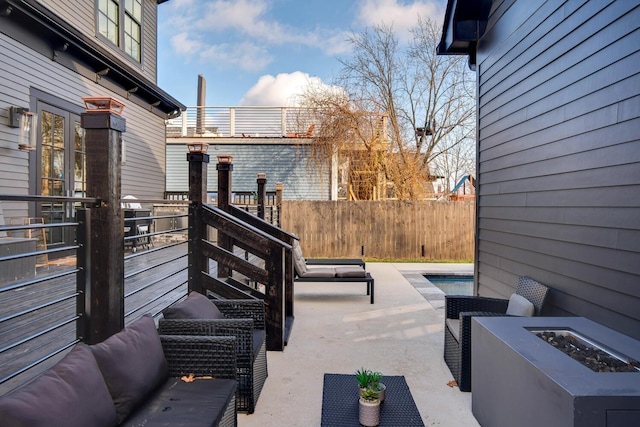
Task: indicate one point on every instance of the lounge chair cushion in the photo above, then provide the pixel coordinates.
(319, 272)
(132, 364)
(52, 398)
(196, 306)
(454, 326)
(350, 271)
(298, 260)
(520, 306)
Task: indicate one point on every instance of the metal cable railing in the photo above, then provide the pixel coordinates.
(42, 285)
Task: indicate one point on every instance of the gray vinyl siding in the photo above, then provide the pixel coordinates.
(81, 14)
(20, 70)
(288, 164)
(559, 155)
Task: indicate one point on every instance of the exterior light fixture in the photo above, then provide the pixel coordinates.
(103, 104)
(198, 147)
(22, 118)
(25, 120)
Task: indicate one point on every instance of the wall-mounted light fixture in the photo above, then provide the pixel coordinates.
(22, 118)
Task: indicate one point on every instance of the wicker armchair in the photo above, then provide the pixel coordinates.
(457, 328)
(188, 355)
(245, 320)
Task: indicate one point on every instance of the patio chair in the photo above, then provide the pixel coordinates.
(331, 270)
(528, 300)
(243, 319)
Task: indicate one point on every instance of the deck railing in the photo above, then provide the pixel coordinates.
(274, 122)
(45, 290)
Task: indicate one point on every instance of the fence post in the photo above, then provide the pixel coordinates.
(197, 263)
(224, 167)
(103, 129)
(279, 188)
(262, 194)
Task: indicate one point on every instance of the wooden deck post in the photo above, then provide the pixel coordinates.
(224, 167)
(103, 131)
(197, 262)
(274, 301)
(262, 194)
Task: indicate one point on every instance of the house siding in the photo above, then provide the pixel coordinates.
(82, 15)
(558, 156)
(284, 163)
(21, 71)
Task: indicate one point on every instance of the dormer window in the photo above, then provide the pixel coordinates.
(120, 22)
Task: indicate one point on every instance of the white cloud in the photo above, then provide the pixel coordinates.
(182, 44)
(280, 90)
(243, 25)
(243, 55)
(246, 56)
(401, 16)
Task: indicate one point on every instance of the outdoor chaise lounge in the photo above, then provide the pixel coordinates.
(331, 270)
(527, 301)
(239, 318)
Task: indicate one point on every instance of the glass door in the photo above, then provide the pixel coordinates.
(61, 160)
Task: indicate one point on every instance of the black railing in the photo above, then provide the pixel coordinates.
(44, 289)
(269, 271)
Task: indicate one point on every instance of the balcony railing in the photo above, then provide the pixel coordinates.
(271, 122)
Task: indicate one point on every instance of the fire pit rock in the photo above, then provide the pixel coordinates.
(522, 380)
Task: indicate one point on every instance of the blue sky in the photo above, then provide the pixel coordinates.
(261, 52)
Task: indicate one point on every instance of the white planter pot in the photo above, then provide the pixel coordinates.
(369, 413)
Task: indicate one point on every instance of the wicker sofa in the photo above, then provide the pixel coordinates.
(132, 379)
(243, 319)
(528, 299)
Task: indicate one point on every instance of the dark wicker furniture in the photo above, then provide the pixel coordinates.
(340, 402)
(457, 328)
(132, 378)
(245, 320)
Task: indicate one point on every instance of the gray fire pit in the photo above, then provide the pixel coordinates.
(520, 380)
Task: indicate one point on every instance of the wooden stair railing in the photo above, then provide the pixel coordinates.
(279, 234)
(260, 244)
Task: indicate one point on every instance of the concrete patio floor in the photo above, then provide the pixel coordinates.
(336, 330)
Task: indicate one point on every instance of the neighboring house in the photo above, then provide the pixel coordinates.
(52, 54)
(271, 140)
(277, 141)
(558, 185)
(284, 160)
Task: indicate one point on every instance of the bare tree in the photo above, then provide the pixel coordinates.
(411, 88)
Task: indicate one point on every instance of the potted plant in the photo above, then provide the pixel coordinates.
(369, 407)
(375, 382)
(363, 377)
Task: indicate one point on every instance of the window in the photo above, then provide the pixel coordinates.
(120, 22)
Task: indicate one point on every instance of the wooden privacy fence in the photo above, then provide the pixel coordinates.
(428, 230)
